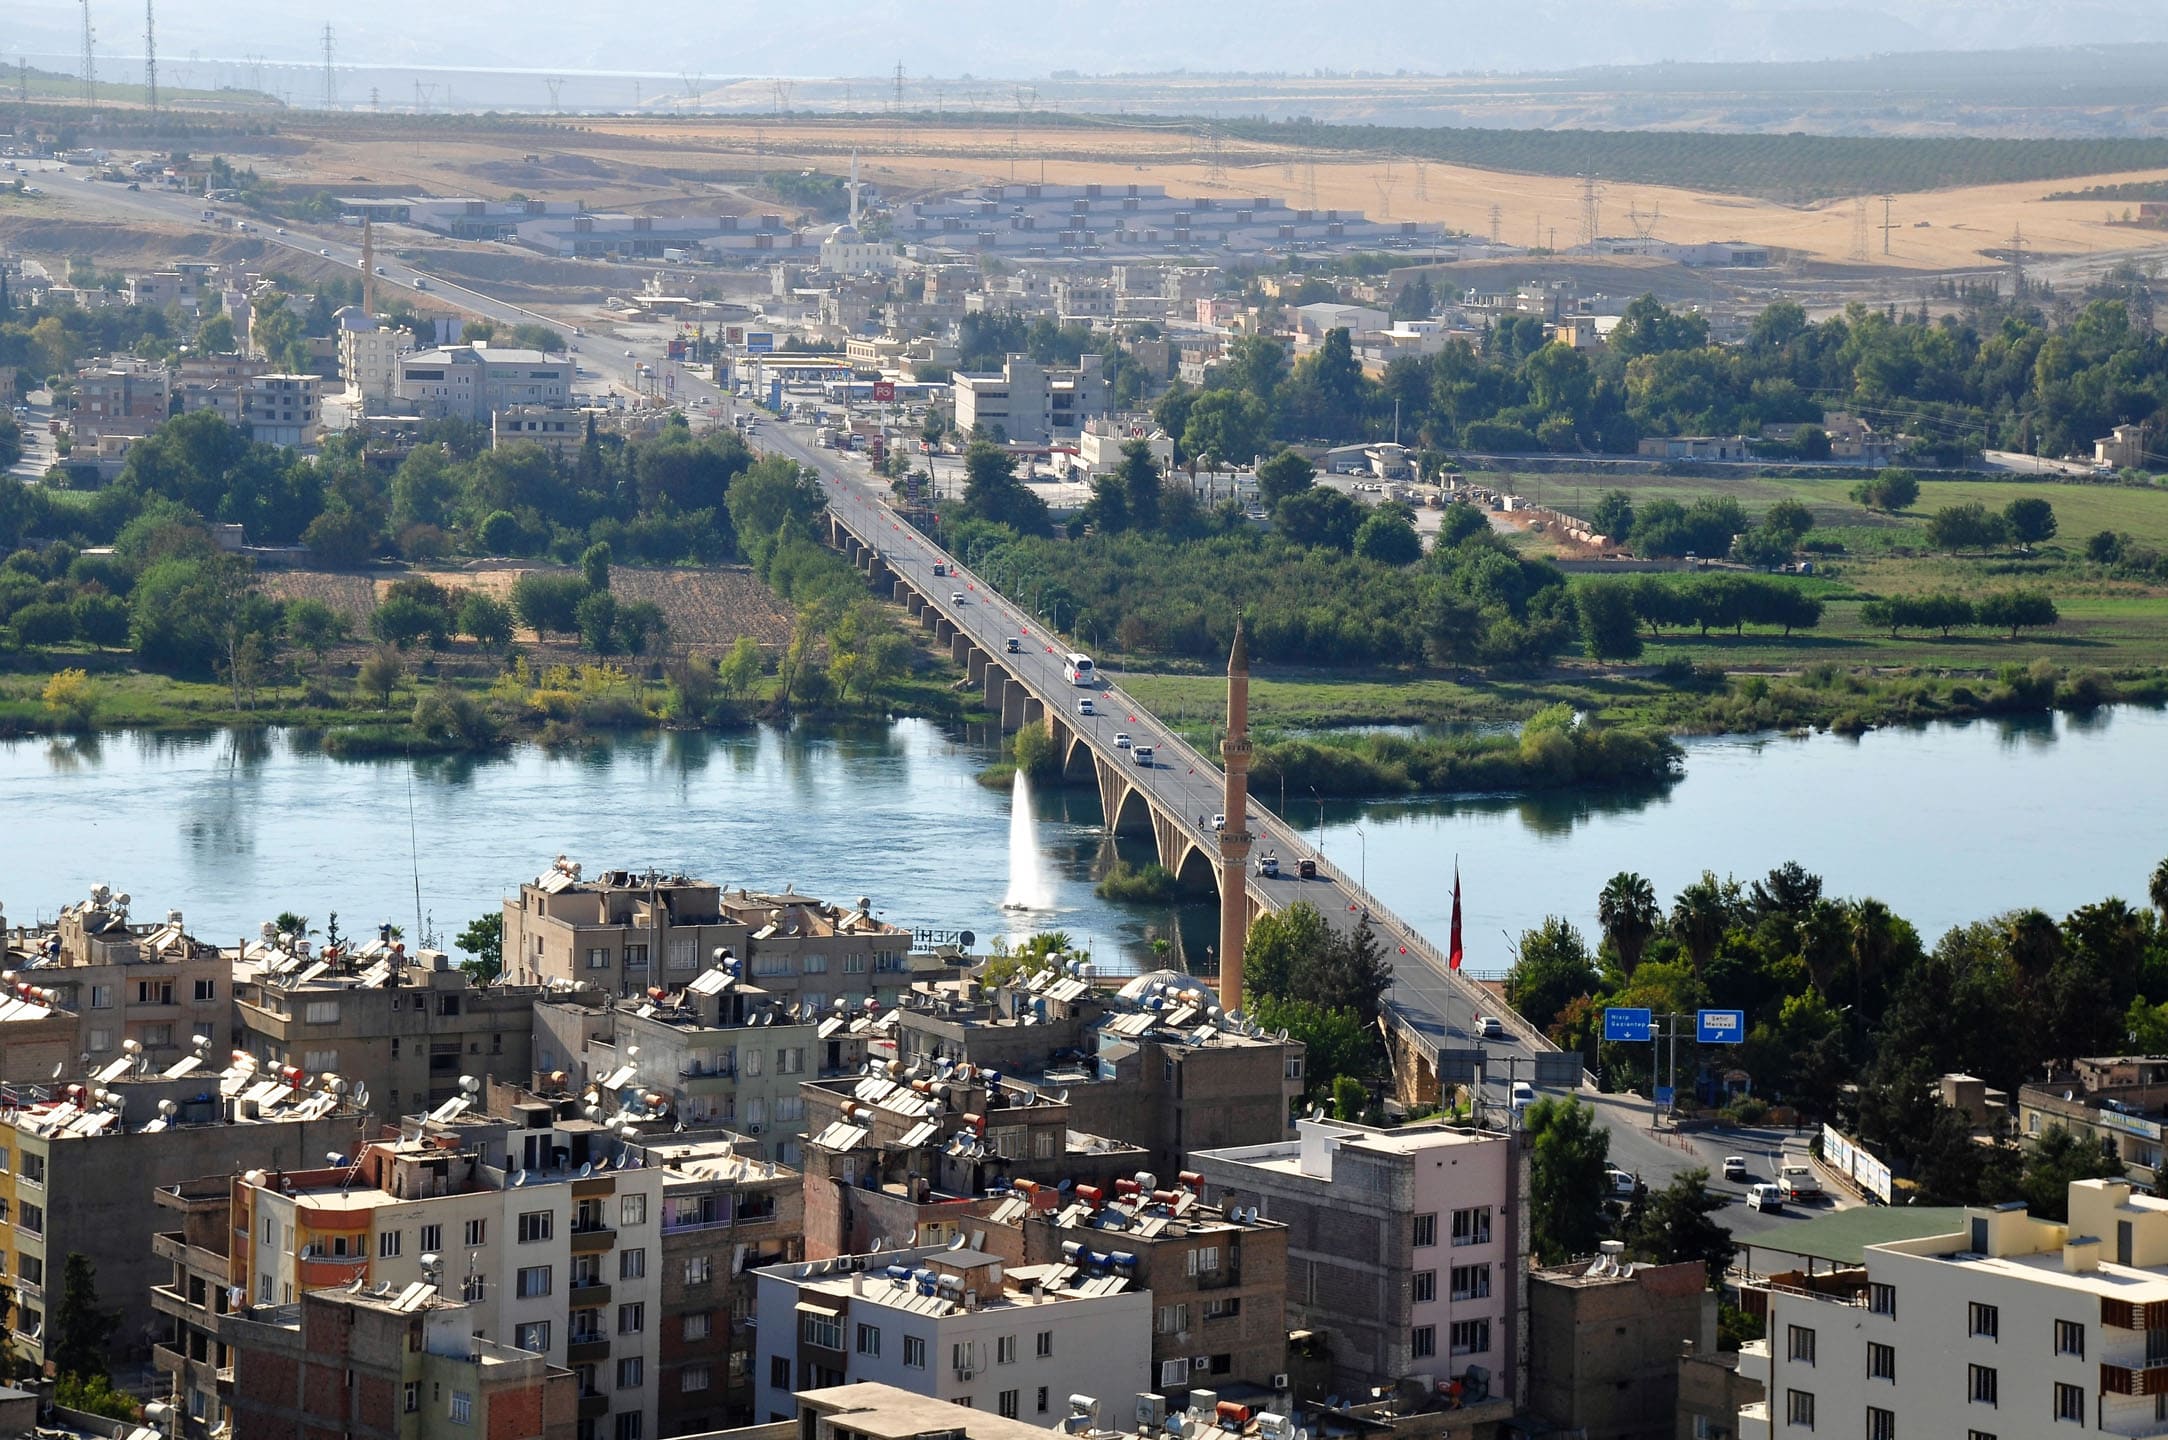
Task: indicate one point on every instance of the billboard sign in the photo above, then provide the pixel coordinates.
(884, 391)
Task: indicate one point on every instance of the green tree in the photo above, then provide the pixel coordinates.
(549, 604)
(380, 675)
(1350, 1098)
(1609, 627)
(314, 626)
(741, 667)
(483, 942)
(1319, 516)
(1701, 914)
(595, 565)
(2030, 518)
(403, 619)
(2156, 890)
(1788, 517)
(1967, 526)
(597, 619)
(1388, 537)
(1335, 1043)
(79, 1329)
(1138, 475)
(1568, 1153)
(2053, 1159)
(1281, 945)
(486, 619)
(1630, 916)
(2015, 610)
(1551, 967)
(1889, 490)
(993, 493)
(1613, 515)
(1675, 1225)
(1283, 475)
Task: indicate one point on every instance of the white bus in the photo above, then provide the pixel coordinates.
(1079, 669)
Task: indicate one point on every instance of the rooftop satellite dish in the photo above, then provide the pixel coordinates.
(586, 1170)
(360, 1282)
(957, 1244)
(59, 1069)
(519, 1178)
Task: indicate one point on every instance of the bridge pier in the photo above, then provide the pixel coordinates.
(909, 599)
(1014, 699)
(853, 551)
(961, 649)
(976, 665)
(1034, 709)
(943, 631)
(997, 683)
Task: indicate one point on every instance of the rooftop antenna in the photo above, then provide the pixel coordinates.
(90, 60)
(331, 80)
(150, 56)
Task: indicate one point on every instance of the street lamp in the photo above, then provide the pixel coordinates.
(1363, 849)
(1320, 818)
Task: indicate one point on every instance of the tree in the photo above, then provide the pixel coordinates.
(1459, 522)
(1285, 474)
(1138, 474)
(1226, 425)
(1388, 537)
(740, 669)
(314, 626)
(403, 619)
(1888, 490)
(71, 699)
(1968, 526)
(340, 539)
(595, 565)
(549, 603)
(1319, 516)
(1788, 517)
(1675, 1226)
(1630, 916)
(1609, 626)
(79, 1329)
(380, 674)
(1350, 1098)
(2156, 890)
(2030, 518)
(2104, 547)
(993, 493)
(2015, 610)
(1280, 946)
(1700, 916)
(483, 940)
(1613, 515)
(1568, 1154)
(1551, 967)
(486, 619)
(1336, 1043)
(597, 618)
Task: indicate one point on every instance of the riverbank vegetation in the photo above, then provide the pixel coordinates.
(1852, 1016)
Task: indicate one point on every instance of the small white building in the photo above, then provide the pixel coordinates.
(471, 382)
(956, 1325)
(1329, 315)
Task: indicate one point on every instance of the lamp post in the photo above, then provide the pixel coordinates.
(1363, 850)
(1320, 818)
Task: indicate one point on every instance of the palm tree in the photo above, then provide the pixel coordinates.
(2157, 890)
(1629, 914)
(1700, 916)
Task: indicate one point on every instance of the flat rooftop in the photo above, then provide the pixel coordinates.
(1842, 1237)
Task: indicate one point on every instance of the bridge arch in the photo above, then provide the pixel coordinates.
(1195, 871)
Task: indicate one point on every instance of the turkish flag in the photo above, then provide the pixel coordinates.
(1454, 952)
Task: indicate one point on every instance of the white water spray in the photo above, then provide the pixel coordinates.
(1030, 886)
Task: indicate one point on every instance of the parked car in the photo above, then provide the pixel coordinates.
(1621, 1183)
(1489, 1027)
(1735, 1169)
(1765, 1197)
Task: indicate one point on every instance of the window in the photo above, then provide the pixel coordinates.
(320, 1061)
(1978, 1435)
(160, 992)
(535, 1336)
(101, 997)
(700, 1269)
(598, 958)
(156, 1036)
(33, 1168)
(779, 1372)
(1204, 1260)
(914, 1352)
(695, 1377)
(462, 1407)
(476, 1231)
(2069, 1403)
(533, 1282)
(1173, 1319)
(535, 1225)
(697, 1326)
(206, 989)
(1984, 1321)
(1799, 1408)
(790, 1061)
(631, 1319)
(632, 1264)
(631, 1373)
(320, 1012)
(630, 1425)
(413, 1396)
(1882, 1299)
(474, 1287)
(1224, 1308)
(684, 952)
(816, 1328)
(1010, 1408)
(1426, 1231)
(1982, 1384)
(2070, 1338)
(1470, 1282)
(869, 1339)
(1799, 1345)
(1042, 1399)
(1470, 1337)
(432, 1238)
(1424, 1342)
(1005, 1350)
(1881, 1361)
(33, 1223)
(1472, 1227)
(1045, 1345)
(387, 1244)
(632, 1210)
(1881, 1424)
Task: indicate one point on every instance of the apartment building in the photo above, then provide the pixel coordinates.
(628, 932)
(120, 396)
(1150, 1062)
(38, 1040)
(874, 1411)
(559, 429)
(407, 1365)
(1405, 1247)
(725, 1215)
(953, 1323)
(154, 985)
(191, 1351)
(1218, 1279)
(2010, 1325)
(214, 382)
(2121, 1101)
(282, 410)
(400, 1030)
(368, 356)
(471, 382)
(917, 1155)
(1605, 1339)
(1027, 403)
(80, 1165)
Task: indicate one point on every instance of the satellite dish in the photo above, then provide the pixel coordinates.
(58, 1069)
(586, 1170)
(361, 1096)
(957, 1243)
(360, 1281)
(519, 1178)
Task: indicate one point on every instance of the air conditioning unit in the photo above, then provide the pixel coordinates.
(755, 1128)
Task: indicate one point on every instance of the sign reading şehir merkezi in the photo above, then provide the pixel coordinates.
(1720, 1027)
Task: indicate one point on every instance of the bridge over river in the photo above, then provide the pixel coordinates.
(1173, 798)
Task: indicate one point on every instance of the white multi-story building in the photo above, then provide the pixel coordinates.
(2010, 1326)
(368, 356)
(954, 1324)
(471, 382)
(1029, 403)
(282, 410)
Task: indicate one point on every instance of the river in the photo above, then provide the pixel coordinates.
(1946, 824)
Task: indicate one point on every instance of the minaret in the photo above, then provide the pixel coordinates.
(854, 187)
(368, 266)
(1234, 840)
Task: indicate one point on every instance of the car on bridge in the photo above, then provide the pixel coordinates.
(1489, 1028)
(1269, 866)
(1219, 822)
(1084, 706)
(956, 597)
(1121, 740)
(1015, 646)
(1141, 755)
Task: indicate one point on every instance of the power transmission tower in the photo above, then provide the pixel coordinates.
(1859, 228)
(375, 101)
(1591, 212)
(331, 81)
(895, 112)
(2017, 263)
(1386, 185)
(422, 92)
(1422, 180)
(90, 60)
(1644, 225)
(1497, 218)
(1215, 169)
(1887, 223)
(150, 56)
(553, 84)
(1309, 186)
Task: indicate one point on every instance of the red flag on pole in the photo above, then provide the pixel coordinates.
(1453, 955)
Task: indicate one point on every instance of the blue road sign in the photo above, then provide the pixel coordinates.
(1625, 1023)
(1720, 1027)
(1664, 1094)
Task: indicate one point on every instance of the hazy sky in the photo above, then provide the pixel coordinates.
(1027, 38)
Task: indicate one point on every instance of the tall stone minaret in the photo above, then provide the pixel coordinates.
(1234, 840)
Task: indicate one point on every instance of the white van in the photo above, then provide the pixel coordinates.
(1765, 1197)
(1522, 1095)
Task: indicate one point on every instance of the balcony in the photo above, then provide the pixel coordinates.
(1754, 1421)
(587, 1349)
(1754, 1361)
(2134, 1379)
(592, 1239)
(594, 1405)
(586, 1293)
